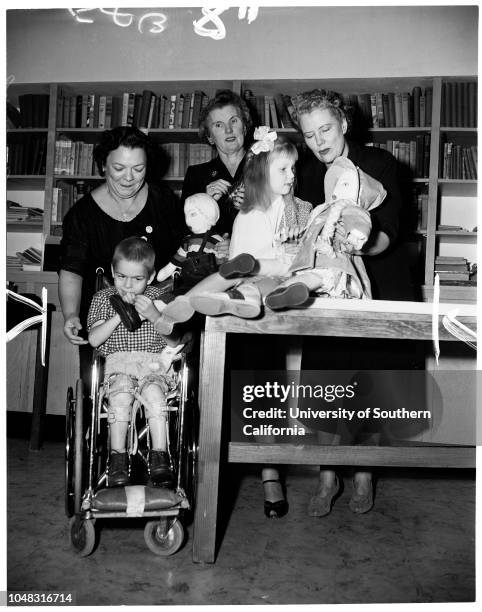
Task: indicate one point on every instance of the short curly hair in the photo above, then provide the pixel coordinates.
(321, 99)
(122, 136)
(223, 98)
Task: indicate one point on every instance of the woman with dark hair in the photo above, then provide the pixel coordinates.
(124, 205)
(226, 125)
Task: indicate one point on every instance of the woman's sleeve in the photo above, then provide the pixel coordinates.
(74, 246)
(386, 217)
(191, 184)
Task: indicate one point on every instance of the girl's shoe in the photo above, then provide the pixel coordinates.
(244, 301)
(241, 265)
(275, 509)
(290, 296)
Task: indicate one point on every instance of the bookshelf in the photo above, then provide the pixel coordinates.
(418, 141)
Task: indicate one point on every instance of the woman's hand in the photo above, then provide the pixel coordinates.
(72, 327)
(221, 250)
(145, 307)
(218, 188)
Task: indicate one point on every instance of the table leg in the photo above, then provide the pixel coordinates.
(211, 384)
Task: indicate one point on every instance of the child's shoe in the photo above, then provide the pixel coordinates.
(160, 468)
(177, 311)
(243, 301)
(118, 470)
(241, 265)
(287, 297)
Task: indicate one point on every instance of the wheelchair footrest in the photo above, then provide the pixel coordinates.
(136, 499)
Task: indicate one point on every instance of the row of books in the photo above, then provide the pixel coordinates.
(181, 155)
(459, 162)
(16, 212)
(452, 268)
(28, 155)
(74, 157)
(459, 104)
(64, 195)
(144, 110)
(30, 259)
(395, 109)
(415, 154)
(33, 111)
(275, 111)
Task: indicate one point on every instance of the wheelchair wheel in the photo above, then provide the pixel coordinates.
(164, 537)
(69, 452)
(82, 535)
(79, 444)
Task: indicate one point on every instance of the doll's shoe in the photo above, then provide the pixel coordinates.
(287, 297)
(360, 503)
(241, 265)
(321, 503)
(243, 302)
(177, 311)
(160, 468)
(275, 509)
(118, 470)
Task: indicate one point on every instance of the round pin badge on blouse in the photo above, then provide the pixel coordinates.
(148, 229)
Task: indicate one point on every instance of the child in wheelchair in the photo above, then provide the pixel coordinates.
(137, 359)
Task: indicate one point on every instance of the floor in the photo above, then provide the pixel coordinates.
(413, 546)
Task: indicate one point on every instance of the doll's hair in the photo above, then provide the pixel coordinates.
(257, 192)
(135, 249)
(321, 99)
(204, 204)
(224, 98)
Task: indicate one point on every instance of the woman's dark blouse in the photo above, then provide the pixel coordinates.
(90, 236)
(389, 272)
(198, 178)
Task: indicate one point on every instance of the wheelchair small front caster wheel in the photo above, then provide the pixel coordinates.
(82, 535)
(164, 537)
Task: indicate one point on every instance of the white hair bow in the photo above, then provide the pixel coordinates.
(264, 140)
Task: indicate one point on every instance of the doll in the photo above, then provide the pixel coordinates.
(326, 262)
(195, 258)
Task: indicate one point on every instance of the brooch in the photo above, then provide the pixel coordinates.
(148, 229)
(214, 173)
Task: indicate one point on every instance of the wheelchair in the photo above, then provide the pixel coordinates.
(88, 499)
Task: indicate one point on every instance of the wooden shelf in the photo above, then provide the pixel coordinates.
(24, 226)
(432, 185)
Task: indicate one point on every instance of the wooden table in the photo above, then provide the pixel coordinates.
(384, 320)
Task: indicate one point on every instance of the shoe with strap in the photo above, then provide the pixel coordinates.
(289, 296)
(243, 264)
(243, 301)
(275, 509)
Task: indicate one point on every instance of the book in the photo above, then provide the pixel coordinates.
(102, 111)
(172, 112)
(135, 105)
(90, 110)
(398, 110)
(416, 94)
(405, 109)
(144, 108)
(184, 124)
(272, 112)
(152, 111)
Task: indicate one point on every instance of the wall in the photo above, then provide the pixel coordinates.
(283, 42)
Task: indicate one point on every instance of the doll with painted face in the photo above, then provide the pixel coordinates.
(328, 262)
(196, 257)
